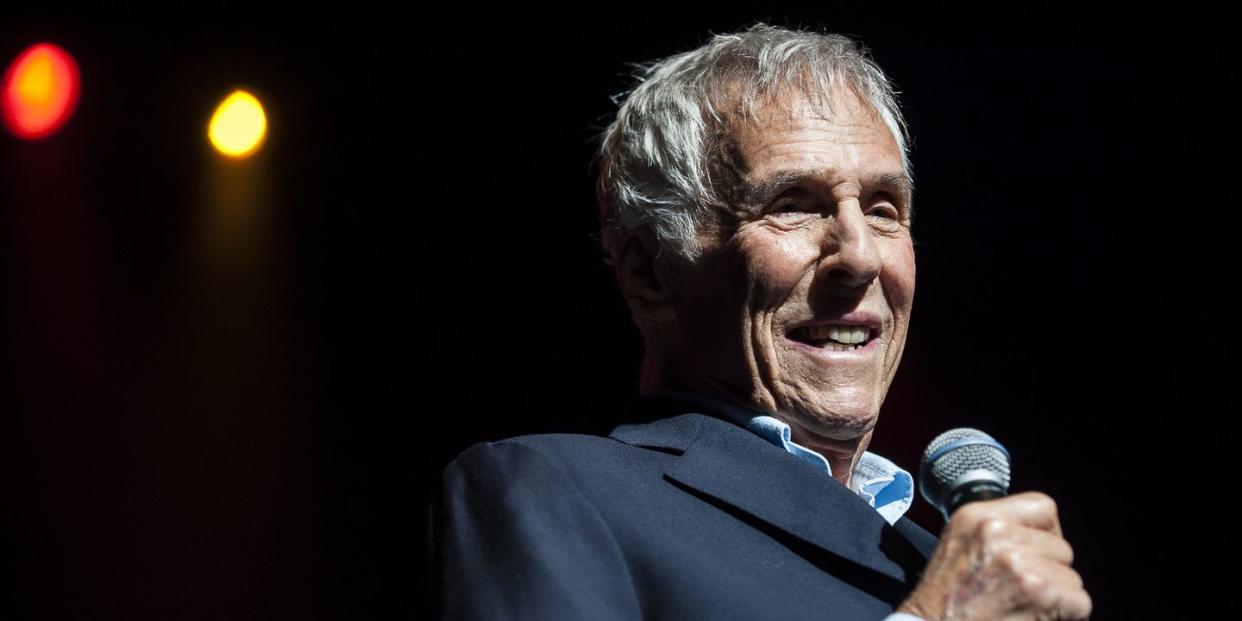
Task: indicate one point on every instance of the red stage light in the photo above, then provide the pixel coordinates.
(41, 90)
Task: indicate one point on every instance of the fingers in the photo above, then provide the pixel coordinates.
(1052, 590)
(1002, 559)
(1031, 509)
(999, 536)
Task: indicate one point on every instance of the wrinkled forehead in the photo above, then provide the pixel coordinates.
(750, 127)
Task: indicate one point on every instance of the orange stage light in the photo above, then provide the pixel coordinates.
(41, 89)
(238, 126)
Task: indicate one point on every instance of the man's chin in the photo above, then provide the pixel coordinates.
(834, 426)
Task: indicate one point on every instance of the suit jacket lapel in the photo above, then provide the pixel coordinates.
(737, 467)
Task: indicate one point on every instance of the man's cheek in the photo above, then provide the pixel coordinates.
(777, 271)
(901, 270)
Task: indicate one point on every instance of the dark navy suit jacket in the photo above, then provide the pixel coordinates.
(687, 517)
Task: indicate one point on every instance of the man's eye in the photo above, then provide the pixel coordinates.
(789, 208)
(885, 212)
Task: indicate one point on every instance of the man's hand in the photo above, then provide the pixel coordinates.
(1001, 559)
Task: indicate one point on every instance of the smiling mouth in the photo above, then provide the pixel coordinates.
(834, 338)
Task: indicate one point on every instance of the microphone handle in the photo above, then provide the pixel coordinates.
(980, 490)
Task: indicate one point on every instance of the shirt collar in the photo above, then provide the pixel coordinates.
(884, 485)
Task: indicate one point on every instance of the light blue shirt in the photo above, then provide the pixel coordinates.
(884, 485)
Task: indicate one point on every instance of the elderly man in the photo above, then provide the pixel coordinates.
(755, 199)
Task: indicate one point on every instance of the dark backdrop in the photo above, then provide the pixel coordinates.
(231, 386)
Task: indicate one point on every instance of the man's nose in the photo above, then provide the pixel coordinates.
(851, 255)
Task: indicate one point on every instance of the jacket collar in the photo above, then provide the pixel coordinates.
(729, 463)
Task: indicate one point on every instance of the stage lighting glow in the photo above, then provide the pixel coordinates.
(41, 89)
(238, 126)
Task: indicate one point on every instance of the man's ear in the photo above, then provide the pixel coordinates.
(648, 289)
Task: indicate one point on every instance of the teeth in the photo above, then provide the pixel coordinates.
(846, 335)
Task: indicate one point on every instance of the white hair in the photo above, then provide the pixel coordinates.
(657, 156)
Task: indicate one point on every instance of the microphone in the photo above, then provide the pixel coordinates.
(963, 465)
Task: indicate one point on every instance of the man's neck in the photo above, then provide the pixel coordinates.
(841, 455)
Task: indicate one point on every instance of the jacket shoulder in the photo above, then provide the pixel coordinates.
(568, 455)
(517, 533)
(548, 446)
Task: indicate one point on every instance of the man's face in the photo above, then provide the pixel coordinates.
(801, 300)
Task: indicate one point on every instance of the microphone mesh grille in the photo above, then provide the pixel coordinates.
(936, 477)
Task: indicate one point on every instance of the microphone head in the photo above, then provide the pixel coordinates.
(962, 459)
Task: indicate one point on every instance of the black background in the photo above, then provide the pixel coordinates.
(200, 424)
